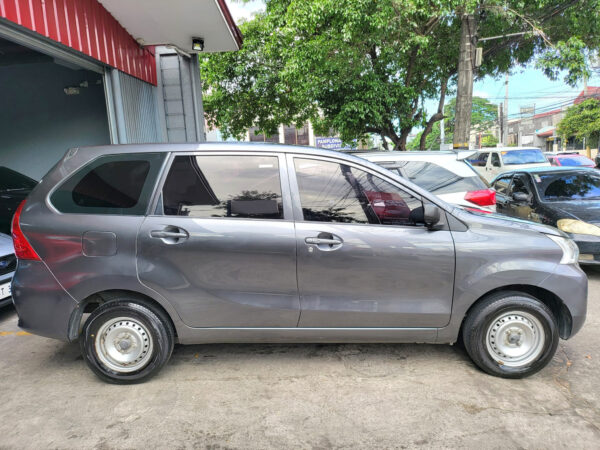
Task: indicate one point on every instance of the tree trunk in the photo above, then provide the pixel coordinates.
(464, 93)
(439, 115)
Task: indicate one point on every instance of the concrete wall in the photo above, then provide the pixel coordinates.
(38, 122)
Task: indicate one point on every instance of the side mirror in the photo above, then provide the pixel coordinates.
(431, 215)
(520, 197)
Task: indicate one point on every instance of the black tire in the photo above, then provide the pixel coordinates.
(485, 313)
(150, 318)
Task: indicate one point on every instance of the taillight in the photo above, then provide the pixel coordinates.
(23, 248)
(484, 197)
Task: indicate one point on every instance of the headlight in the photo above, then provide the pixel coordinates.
(569, 248)
(577, 227)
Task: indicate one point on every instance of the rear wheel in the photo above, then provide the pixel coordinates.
(511, 335)
(127, 342)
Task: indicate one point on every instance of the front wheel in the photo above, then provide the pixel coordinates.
(126, 342)
(511, 335)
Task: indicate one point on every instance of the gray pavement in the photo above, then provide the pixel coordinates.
(300, 396)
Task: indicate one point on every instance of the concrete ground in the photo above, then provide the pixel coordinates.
(300, 396)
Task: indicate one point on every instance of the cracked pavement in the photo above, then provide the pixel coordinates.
(300, 396)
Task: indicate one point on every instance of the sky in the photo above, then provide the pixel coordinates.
(526, 86)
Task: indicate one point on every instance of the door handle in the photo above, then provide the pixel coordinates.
(322, 241)
(168, 234)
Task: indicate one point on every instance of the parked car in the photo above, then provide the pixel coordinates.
(491, 162)
(443, 173)
(569, 159)
(597, 160)
(129, 249)
(14, 187)
(565, 197)
(8, 264)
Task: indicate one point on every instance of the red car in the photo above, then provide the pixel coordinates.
(570, 159)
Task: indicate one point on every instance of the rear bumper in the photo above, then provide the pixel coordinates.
(43, 306)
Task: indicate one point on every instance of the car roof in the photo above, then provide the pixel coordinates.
(506, 149)
(548, 169)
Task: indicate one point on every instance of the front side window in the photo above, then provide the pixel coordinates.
(501, 185)
(495, 160)
(333, 192)
(439, 180)
(521, 185)
(530, 156)
(112, 184)
(241, 186)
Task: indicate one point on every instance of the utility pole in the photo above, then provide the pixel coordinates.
(464, 93)
(501, 122)
(505, 112)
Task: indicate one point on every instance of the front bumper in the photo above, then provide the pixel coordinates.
(43, 306)
(589, 248)
(570, 284)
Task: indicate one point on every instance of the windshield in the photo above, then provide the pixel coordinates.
(11, 180)
(531, 156)
(439, 180)
(576, 161)
(568, 186)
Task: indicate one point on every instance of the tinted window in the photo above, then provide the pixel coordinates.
(501, 185)
(332, 192)
(115, 184)
(224, 186)
(438, 180)
(495, 160)
(576, 161)
(479, 160)
(520, 184)
(523, 157)
(575, 186)
(11, 180)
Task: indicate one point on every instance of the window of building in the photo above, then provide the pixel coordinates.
(115, 184)
(224, 186)
(332, 192)
(261, 137)
(295, 136)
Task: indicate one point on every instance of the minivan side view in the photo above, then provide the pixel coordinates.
(131, 249)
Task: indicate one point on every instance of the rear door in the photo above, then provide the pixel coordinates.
(220, 245)
(362, 260)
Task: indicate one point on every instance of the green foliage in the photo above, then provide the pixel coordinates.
(489, 140)
(483, 115)
(582, 121)
(364, 67)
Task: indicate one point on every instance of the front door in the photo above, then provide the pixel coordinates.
(221, 245)
(363, 261)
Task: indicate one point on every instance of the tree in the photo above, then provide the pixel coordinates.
(364, 67)
(483, 115)
(582, 121)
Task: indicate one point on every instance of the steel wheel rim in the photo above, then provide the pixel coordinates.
(124, 345)
(515, 338)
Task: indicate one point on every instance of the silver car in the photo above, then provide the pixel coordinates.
(130, 249)
(8, 264)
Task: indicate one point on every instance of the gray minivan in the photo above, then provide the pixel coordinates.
(131, 249)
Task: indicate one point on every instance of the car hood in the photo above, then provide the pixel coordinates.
(6, 245)
(585, 210)
(506, 222)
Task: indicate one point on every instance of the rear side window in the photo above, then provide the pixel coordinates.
(112, 184)
(224, 186)
(479, 160)
(439, 180)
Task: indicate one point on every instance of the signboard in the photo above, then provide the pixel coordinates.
(527, 111)
(331, 143)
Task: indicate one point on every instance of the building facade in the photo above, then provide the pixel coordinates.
(91, 72)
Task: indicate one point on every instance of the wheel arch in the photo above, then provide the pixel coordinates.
(93, 301)
(551, 300)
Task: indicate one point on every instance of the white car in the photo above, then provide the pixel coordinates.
(491, 162)
(444, 173)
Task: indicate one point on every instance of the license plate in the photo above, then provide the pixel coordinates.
(4, 290)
